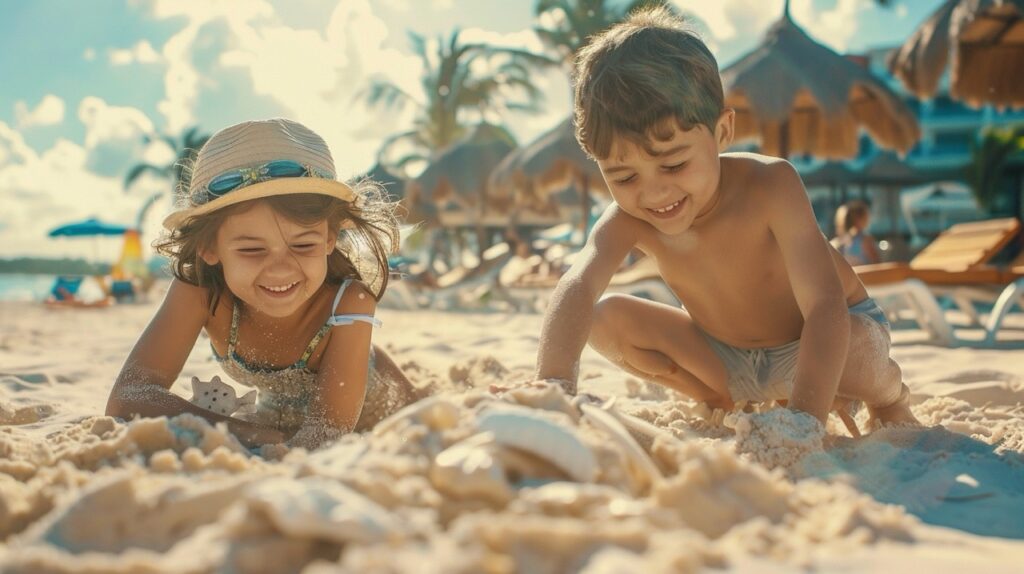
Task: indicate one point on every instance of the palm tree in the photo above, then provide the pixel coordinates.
(986, 172)
(566, 26)
(452, 89)
(185, 150)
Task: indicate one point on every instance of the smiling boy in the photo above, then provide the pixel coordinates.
(772, 312)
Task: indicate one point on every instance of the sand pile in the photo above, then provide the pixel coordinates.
(463, 481)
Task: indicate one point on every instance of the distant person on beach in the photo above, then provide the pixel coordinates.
(852, 240)
(772, 312)
(265, 250)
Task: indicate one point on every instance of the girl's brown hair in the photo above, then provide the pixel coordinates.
(366, 231)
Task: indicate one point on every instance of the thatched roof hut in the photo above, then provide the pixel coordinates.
(982, 40)
(797, 96)
(553, 162)
(456, 180)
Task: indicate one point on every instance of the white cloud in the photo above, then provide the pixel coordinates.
(13, 149)
(181, 81)
(89, 54)
(113, 135)
(142, 53)
(833, 27)
(49, 111)
(406, 5)
(234, 11)
(42, 191)
(312, 75)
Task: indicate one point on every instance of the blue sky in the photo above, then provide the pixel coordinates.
(83, 82)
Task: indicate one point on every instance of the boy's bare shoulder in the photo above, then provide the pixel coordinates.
(760, 176)
(753, 166)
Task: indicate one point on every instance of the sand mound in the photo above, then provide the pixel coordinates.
(464, 481)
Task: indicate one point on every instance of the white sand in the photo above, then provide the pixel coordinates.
(433, 492)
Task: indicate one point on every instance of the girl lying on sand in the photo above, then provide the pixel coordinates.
(265, 253)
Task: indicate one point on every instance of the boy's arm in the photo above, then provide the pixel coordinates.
(143, 386)
(825, 338)
(568, 317)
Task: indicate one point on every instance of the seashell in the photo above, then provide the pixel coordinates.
(437, 413)
(315, 507)
(219, 397)
(540, 436)
(642, 470)
(471, 469)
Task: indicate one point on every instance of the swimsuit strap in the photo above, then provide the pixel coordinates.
(312, 345)
(349, 318)
(334, 321)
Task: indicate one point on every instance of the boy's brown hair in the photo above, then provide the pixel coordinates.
(646, 69)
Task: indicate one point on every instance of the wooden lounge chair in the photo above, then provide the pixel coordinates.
(955, 264)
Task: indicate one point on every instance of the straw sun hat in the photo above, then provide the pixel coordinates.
(257, 159)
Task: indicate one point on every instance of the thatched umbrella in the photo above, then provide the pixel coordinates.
(798, 96)
(528, 179)
(453, 186)
(984, 42)
(457, 177)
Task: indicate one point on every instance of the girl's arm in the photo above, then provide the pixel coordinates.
(344, 367)
(143, 386)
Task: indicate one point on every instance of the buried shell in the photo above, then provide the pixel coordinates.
(642, 471)
(315, 507)
(472, 468)
(540, 436)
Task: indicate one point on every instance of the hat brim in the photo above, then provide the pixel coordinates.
(279, 186)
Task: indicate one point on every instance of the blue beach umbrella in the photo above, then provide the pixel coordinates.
(88, 228)
(91, 227)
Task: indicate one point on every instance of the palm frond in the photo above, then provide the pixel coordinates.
(138, 170)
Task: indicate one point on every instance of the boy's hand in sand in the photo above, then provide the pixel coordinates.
(777, 438)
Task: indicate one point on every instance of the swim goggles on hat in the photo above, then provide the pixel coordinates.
(238, 178)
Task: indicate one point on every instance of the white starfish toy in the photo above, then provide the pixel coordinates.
(219, 397)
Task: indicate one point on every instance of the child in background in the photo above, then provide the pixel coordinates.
(852, 239)
(282, 265)
(772, 312)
